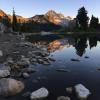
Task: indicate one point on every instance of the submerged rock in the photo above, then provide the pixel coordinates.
(63, 70)
(69, 89)
(26, 94)
(98, 69)
(9, 87)
(81, 91)
(86, 57)
(35, 81)
(63, 98)
(4, 73)
(77, 60)
(39, 94)
(51, 59)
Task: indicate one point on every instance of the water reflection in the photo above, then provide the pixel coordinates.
(93, 42)
(80, 43)
(63, 49)
(59, 44)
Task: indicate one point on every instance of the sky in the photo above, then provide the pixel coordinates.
(29, 8)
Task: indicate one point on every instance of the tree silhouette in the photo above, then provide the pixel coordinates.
(94, 23)
(82, 18)
(14, 22)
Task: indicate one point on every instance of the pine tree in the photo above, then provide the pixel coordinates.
(82, 18)
(94, 23)
(14, 22)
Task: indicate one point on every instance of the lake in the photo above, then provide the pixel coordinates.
(80, 55)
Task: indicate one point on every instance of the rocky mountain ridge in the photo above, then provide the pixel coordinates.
(50, 17)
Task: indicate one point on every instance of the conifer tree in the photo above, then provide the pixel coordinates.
(82, 18)
(14, 22)
(94, 23)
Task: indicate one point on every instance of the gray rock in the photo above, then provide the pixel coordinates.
(39, 94)
(44, 49)
(4, 67)
(26, 75)
(26, 44)
(63, 98)
(33, 60)
(40, 61)
(25, 60)
(9, 87)
(81, 91)
(4, 73)
(10, 60)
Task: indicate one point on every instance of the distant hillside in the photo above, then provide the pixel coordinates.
(19, 18)
(2, 13)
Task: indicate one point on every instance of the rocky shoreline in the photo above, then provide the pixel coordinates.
(16, 59)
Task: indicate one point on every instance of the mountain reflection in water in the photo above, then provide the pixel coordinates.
(80, 43)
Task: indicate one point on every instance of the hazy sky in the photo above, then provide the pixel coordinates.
(28, 8)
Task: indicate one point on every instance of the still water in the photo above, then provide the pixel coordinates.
(86, 49)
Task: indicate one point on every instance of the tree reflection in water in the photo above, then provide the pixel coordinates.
(80, 43)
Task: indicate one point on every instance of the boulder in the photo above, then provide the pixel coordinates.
(39, 94)
(63, 98)
(4, 73)
(81, 91)
(9, 87)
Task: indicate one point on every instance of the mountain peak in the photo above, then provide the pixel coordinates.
(51, 11)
